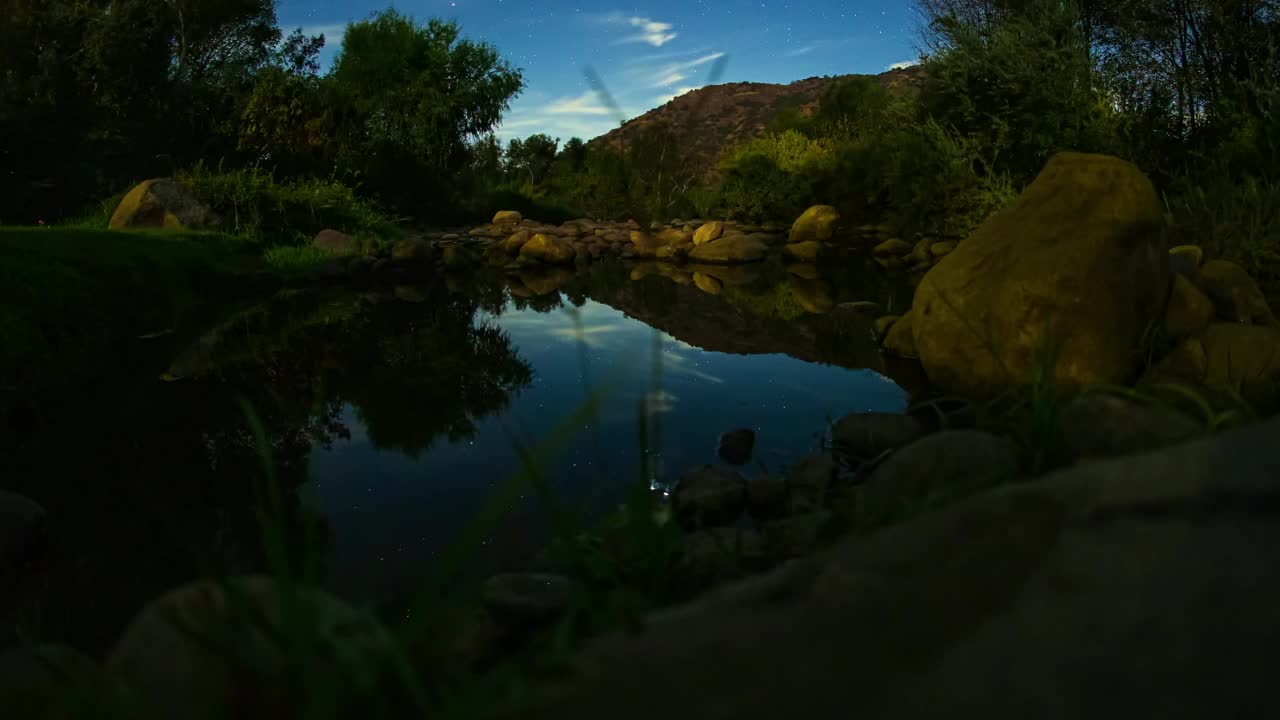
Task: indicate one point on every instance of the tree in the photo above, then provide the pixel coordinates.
(530, 159)
(408, 99)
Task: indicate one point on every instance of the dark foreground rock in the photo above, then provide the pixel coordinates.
(1139, 587)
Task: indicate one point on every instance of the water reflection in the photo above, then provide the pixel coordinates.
(395, 412)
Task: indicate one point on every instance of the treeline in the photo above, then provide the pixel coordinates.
(98, 94)
(1188, 90)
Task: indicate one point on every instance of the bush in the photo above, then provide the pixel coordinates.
(254, 206)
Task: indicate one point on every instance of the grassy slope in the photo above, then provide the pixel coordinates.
(71, 294)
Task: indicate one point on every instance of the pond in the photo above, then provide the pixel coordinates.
(393, 417)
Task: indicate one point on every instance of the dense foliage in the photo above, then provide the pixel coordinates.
(96, 95)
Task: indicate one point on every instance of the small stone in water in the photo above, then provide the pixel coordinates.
(736, 445)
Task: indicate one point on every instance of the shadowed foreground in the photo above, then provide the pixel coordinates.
(1140, 587)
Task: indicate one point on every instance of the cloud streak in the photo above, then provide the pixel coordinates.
(903, 64)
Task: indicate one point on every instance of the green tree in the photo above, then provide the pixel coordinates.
(530, 159)
(407, 99)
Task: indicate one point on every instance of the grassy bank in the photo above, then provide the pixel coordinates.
(70, 299)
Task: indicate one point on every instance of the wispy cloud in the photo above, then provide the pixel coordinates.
(801, 51)
(672, 73)
(653, 32)
(332, 32)
(903, 64)
(588, 103)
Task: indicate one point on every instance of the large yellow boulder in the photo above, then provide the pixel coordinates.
(507, 217)
(162, 203)
(816, 223)
(548, 249)
(729, 249)
(1078, 262)
(708, 232)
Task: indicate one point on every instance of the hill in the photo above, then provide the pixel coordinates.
(710, 119)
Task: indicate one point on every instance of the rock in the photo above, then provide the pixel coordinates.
(1105, 425)
(729, 249)
(1186, 260)
(708, 232)
(335, 242)
(646, 245)
(807, 271)
(709, 495)
(901, 338)
(1235, 295)
(175, 650)
(413, 250)
(515, 241)
(794, 536)
(735, 446)
(816, 223)
(944, 413)
(808, 482)
(457, 257)
(707, 283)
(162, 203)
(528, 599)
(865, 436)
(937, 468)
(1078, 259)
(674, 236)
(860, 307)
(920, 253)
(22, 525)
(489, 231)
(727, 274)
(766, 496)
(548, 249)
(807, 250)
(714, 554)
(941, 249)
(507, 217)
(1111, 582)
(1243, 359)
(880, 328)
(893, 247)
(1189, 310)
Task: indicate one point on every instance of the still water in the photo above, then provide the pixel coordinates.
(390, 416)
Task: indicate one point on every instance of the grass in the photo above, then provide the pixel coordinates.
(67, 294)
(292, 261)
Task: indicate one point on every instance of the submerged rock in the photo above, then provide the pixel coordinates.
(735, 446)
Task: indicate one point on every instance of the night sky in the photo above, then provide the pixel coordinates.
(645, 54)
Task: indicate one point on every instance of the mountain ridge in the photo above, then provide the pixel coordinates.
(707, 121)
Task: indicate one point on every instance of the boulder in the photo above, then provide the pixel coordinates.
(1078, 260)
(1100, 424)
(880, 328)
(646, 245)
(674, 236)
(515, 241)
(893, 247)
(901, 338)
(708, 232)
(808, 483)
(1186, 260)
(707, 283)
(208, 650)
(729, 249)
(921, 253)
(413, 250)
(1244, 359)
(807, 250)
(507, 217)
(335, 242)
(812, 295)
(941, 249)
(734, 447)
(816, 223)
(162, 203)
(865, 436)
(1189, 310)
(939, 467)
(548, 249)
(528, 599)
(1235, 294)
(544, 281)
(709, 495)
(1135, 587)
